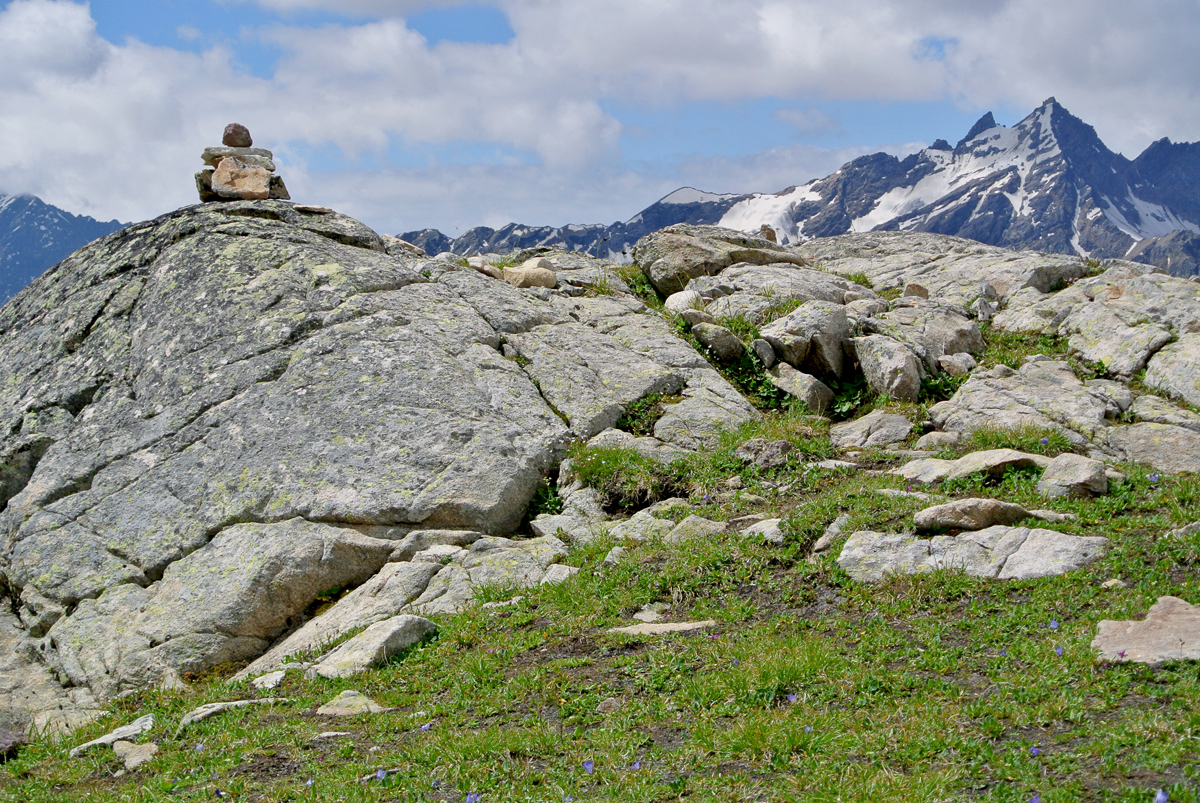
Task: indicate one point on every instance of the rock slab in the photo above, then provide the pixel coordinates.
(1170, 632)
(374, 646)
(968, 514)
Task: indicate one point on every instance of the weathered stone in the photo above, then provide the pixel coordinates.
(374, 646)
(1042, 394)
(722, 343)
(1118, 395)
(1190, 529)
(931, 330)
(684, 300)
(997, 552)
(875, 429)
(1073, 475)
(694, 527)
(663, 628)
(697, 316)
(764, 351)
(135, 755)
(764, 452)
(212, 709)
(224, 602)
(652, 612)
(615, 555)
(532, 273)
(271, 680)
(890, 368)
(557, 573)
(349, 704)
(1170, 632)
(812, 337)
(675, 255)
(760, 292)
(957, 364)
(1099, 335)
(832, 532)
(1176, 369)
(124, 733)
(814, 393)
(237, 136)
(213, 156)
(710, 405)
(278, 191)
(912, 289)
(768, 530)
(10, 743)
(968, 514)
(646, 446)
(641, 527)
(239, 179)
(1163, 447)
(938, 440)
(1153, 410)
(204, 187)
(31, 698)
(992, 462)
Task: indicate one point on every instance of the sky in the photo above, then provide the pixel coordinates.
(410, 114)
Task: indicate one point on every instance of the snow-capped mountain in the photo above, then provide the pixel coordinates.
(35, 236)
(1048, 184)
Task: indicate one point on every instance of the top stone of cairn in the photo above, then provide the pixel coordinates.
(237, 136)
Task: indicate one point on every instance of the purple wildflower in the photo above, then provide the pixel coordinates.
(200, 747)
(1035, 799)
(1004, 653)
(793, 697)
(637, 765)
(808, 728)
(589, 766)
(1161, 796)
(427, 726)
(1045, 441)
(1153, 478)
(381, 775)
(1058, 651)
(472, 798)
(736, 662)
(1035, 751)
(1054, 624)
(1121, 654)
(309, 782)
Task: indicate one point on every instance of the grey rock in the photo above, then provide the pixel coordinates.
(1051, 517)
(642, 526)
(610, 706)
(663, 628)
(697, 316)
(764, 452)
(957, 364)
(646, 446)
(875, 429)
(997, 552)
(938, 440)
(1118, 395)
(670, 258)
(134, 755)
(694, 527)
(709, 406)
(1153, 410)
(1190, 529)
(759, 292)
(557, 573)
(615, 555)
(812, 337)
(1175, 369)
(968, 514)
(1073, 475)
(835, 529)
(930, 329)
(124, 733)
(213, 709)
(573, 528)
(374, 646)
(271, 680)
(722, 343)
(814, 393)
(992, 462)
(349, 704)
(684, 300)
(31, 698)
(1170, 632)
(764, 351)
(1099, 334)
(1163, 447)
(890, 367)
(768, 530)
(893, 493)
(10, 743)
(652, 612)
(1042, 394)
(912, 289)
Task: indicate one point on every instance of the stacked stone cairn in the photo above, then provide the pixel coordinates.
(239, 172)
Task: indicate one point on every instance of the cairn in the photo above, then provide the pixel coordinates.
(238, 171)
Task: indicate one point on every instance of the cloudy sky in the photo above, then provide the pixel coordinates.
(415, 113)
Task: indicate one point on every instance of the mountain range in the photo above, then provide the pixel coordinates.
(1046, 184)
(35, 235)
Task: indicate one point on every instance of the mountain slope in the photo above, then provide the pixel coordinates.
(35, 236)
(1048, 184)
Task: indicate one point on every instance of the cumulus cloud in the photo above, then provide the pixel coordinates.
(115, 130)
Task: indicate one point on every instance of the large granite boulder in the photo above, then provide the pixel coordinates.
(672, 257)
(198, 407)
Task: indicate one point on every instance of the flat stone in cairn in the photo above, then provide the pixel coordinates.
(240, 172)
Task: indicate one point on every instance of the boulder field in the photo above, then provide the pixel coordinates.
(210, 420)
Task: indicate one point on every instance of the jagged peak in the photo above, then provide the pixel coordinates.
(985, 123)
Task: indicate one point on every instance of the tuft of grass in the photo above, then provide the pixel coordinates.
(939, 387)
(1027, 438)
(860, 278)
(640, 416)
(624, 477)
(633, 276)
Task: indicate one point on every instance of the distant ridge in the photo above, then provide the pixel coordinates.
(35, 236)
(1046, 184)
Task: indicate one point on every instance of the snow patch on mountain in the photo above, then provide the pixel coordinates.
(777, 211)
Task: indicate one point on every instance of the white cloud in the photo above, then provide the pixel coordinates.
(115, 130)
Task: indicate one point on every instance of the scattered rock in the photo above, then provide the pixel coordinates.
(673, 256)
(557, 573)
(1073, 475)
(663, 628)
(10, 743)
(331, 735)
(938, 440)
(912, 289)
(814, 393)
(889, 367)
(1190, 529)
(212, 709)
(768, 529)
(893, 493)
(615, 555)
(124, 733)
(1116, 582)
(832, 531)
(684, 300)
(741, 522)
(374, 646)
(957, 364)
(876, 429)
(1163, 447)
(349, 704)
(641, 526)
(1170, 632)
(1050, 517)
(532, 273)
(764, 351)
(652, 612)
(694, 527)
(135, 755)
(697, 316)
(724, 344)
(271, 680)
(999, 552)
(992, 462)
(968, 514)
(610, 706)
(764, 453)
(237, 136)
(811, 337)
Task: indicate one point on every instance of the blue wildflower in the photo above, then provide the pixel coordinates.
(1153, 478)
(589, 766)
(380, 775)
(793, 697)
(637, 765)
(1054, 624)
(427, 726)
(1035, 799)
(1058, 651)
(1035, 751)
(736, 662)
(1004, 653)
(1162, 796)
(808, 728)
(472, 798)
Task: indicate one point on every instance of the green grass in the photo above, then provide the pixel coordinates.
(1027, 438)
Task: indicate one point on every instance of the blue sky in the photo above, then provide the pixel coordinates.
(410, 113)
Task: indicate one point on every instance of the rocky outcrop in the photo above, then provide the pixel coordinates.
(675, 255)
